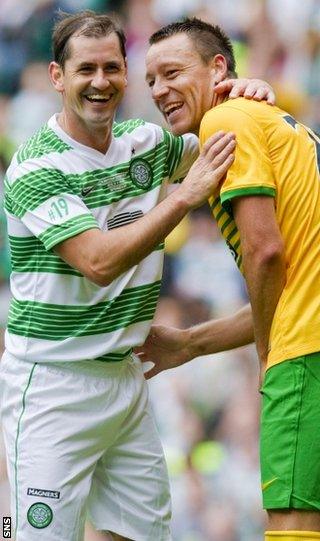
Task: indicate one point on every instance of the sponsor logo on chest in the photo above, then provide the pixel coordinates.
(116, 183)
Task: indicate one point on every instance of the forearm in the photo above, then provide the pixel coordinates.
(102, 256)
(125, 247)
(265, 281)
(167, 347)
(221, 334)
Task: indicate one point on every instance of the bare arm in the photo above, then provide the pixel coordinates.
(103, 256)
(168, 347)
(263, 263)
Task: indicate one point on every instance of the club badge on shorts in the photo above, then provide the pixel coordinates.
(140, 172)
(40, 515)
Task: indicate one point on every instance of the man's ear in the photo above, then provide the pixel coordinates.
(220, 69)
(126, 70)
(56, 76)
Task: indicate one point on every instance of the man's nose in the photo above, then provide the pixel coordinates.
(159, 89)
(100, 80)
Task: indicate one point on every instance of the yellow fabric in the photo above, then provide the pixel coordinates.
(292, 536)
(277, 159)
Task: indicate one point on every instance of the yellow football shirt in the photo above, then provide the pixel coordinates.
(277, 157)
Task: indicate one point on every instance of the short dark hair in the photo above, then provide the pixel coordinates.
(84, 23)
(208, 39)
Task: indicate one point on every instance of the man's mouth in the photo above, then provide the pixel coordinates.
(170, 109)
(97, 98)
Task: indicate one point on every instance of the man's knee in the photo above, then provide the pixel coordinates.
(293, 520)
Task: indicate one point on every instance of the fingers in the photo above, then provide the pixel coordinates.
(220, 154)
(152, 372)
(236, 87)
(223, 156)
(215, 138)
(249, 88)
(258, 90)
(222, 169)
(151, 369)
(216, 143)
(224, 86)
(220, 151)
(239, 88)
(271, 97)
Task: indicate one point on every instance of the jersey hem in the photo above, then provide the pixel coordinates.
(291, 355)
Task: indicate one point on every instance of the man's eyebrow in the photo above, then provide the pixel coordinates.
(84, 64)
(171, 64)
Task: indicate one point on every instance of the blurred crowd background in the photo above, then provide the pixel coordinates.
(207, 411)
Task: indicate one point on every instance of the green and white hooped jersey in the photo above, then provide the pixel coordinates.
(57, 188)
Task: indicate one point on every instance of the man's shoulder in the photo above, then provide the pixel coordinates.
(44, 142)
(237, 104)
(253, 108)
(238, 112)
(132, 125)
(42, 150)
(144, 135)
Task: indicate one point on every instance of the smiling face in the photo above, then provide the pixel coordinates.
(92, 83)
(181, 82)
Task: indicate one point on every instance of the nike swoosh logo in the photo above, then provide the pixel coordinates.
(265, 485)
(86, 191)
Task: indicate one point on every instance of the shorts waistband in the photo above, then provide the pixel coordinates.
(89, 366)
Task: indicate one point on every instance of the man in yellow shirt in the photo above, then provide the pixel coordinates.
(268, 210)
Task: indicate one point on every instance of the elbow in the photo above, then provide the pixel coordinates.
(103, 264)
(267, 255)
(272, 255)
(103, 270)
(99, 273)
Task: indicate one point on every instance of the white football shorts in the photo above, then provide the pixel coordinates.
(80, 437)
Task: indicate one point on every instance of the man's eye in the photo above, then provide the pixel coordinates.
(150, 83)
(112, 69)
(85, 69)
(172, 73)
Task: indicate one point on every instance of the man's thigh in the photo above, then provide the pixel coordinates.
(130, 488)
(55, 432)
(290, 437)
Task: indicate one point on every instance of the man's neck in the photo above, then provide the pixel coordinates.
(218, 99)
(98, 139)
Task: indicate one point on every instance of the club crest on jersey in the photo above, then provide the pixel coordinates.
(140, 172)
(39, 515)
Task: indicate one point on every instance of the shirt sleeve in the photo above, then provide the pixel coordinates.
(45, 203)
(182, 152)
(252, 172)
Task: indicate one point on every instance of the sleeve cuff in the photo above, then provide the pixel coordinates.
(56, 234)
(226, 197)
